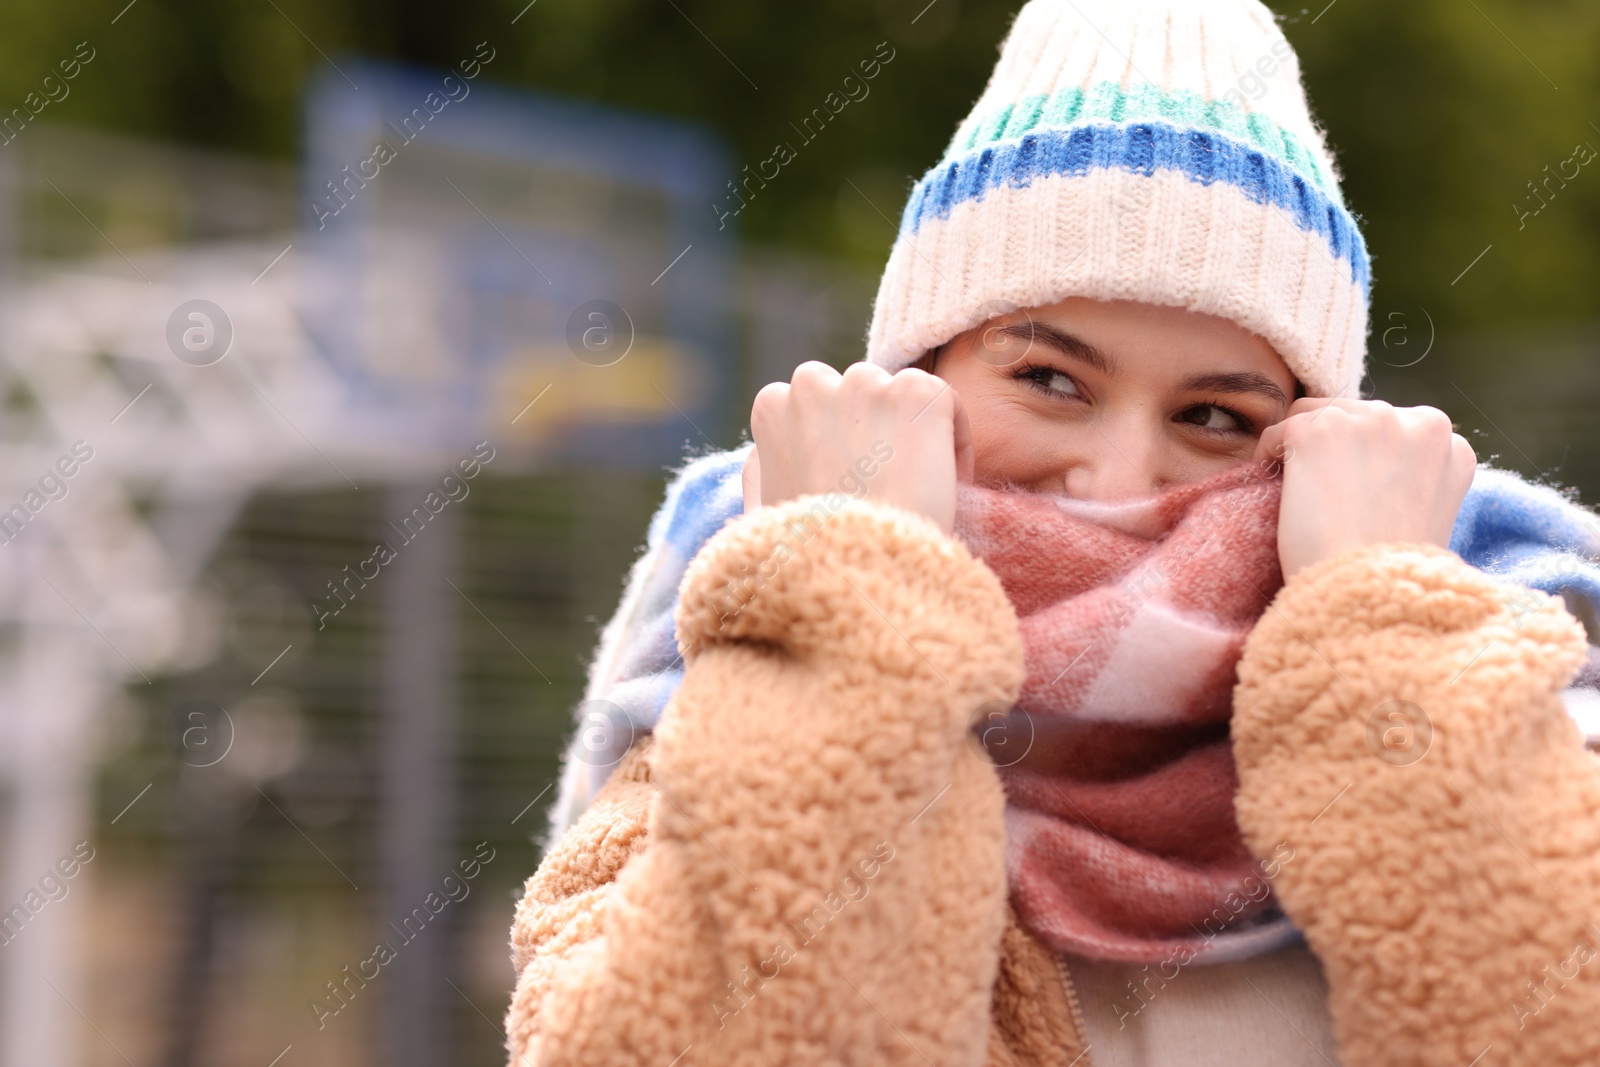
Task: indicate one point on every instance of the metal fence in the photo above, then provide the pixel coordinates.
(274, 746)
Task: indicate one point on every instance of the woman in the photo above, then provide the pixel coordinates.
(1266, 771)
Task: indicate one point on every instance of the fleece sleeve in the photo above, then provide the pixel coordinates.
(820, 877)
(1403, 750)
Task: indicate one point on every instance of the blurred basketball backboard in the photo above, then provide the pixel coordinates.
(497, 263)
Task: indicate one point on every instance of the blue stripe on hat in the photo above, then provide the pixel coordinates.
(1142, 148)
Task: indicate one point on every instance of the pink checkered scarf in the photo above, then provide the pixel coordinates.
(1119, 775)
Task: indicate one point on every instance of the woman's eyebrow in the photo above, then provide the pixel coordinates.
(1062, 342)
(1077, 348)
(1236, 382)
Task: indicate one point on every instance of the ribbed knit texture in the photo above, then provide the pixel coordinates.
(1160, 152)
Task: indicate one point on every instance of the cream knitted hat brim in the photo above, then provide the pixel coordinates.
(1137, 151)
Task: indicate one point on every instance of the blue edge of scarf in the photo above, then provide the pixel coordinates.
(1508, 527)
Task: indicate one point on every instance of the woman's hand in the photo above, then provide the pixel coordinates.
(1363, 472)
(901, 439)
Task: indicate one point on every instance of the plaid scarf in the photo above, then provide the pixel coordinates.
(1128, 747)
(1120, 834)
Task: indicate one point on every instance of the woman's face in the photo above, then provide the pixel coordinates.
(1112, 400)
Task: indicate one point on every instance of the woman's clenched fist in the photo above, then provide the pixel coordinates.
(1363, 472)
(823, 429)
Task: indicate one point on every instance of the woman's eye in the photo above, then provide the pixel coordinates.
(1211, 417)
(1049, 380)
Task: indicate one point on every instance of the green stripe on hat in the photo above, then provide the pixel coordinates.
(1143, 102)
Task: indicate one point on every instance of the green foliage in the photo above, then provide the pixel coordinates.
(1441, 111)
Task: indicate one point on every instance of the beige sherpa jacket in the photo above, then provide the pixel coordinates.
(803, 866)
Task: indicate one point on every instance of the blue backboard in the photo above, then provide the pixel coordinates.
(477, 250)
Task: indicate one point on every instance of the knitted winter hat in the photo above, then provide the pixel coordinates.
(1152, 150)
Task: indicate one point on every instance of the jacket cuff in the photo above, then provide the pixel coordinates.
(824, 573)
(1401, 628)
(1413, 589)
(1395, 583)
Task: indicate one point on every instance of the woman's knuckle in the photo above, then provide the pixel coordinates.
(861, 370)
(921, 390)
(769, 398)
(813, 373)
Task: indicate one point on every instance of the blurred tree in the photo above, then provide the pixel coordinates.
(1442, 111)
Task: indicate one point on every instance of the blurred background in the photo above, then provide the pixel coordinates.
(321, 462)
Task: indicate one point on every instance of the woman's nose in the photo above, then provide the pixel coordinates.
(1113, 467)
